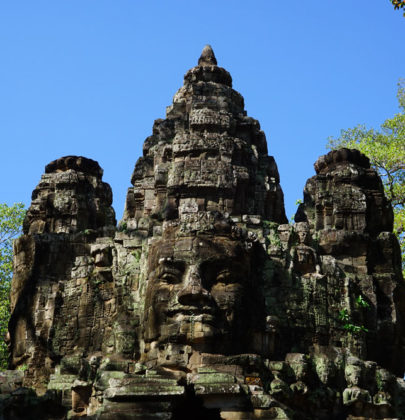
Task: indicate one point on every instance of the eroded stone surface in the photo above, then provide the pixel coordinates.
(204, 303)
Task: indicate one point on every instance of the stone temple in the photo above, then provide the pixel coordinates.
(204, 303)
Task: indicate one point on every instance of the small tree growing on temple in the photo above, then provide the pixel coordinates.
(11, 218)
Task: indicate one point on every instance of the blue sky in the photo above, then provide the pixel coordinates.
(89, 77)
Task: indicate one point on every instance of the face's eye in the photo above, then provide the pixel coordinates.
(170, 277)
(220, 271)
(170, 273)
(225, 276)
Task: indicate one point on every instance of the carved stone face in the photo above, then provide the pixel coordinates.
(353, 375)
(199, 293)
(302, 229)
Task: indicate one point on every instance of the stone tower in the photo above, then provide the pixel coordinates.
(204, 302)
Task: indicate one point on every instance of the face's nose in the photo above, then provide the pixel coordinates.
(193, 293)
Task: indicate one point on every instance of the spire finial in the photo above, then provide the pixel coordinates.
(207, 57)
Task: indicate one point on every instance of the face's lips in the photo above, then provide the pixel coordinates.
(191, 311)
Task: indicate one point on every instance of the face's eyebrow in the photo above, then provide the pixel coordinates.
(169, 263)
(222, 261)
(165, 260)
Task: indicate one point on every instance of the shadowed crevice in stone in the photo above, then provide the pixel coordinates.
(192, 407)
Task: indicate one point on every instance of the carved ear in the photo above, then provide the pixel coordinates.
(170, 211)
(150, 325)
(222, 226)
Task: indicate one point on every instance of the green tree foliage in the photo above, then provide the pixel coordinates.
(11, 219)
(386, 150)
(398, 4)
